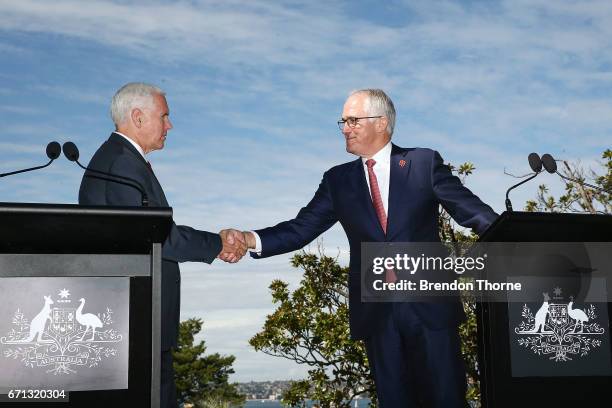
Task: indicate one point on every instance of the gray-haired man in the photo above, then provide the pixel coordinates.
(389, 194)
(141, 116)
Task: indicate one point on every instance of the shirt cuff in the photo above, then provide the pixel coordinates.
(257, 249)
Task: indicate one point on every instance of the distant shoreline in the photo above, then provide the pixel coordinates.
(361, 403)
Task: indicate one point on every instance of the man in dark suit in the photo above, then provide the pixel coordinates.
(141, 117)
(389, 194)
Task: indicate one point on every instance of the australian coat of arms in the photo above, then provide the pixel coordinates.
(559, 330)
(61, 338)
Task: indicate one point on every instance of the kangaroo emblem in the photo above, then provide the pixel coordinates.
(37, 326)
(540, 316)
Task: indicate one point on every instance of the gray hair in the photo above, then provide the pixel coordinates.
(130, 96)
(378, 103)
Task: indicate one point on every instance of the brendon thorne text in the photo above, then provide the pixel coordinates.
(426, 286)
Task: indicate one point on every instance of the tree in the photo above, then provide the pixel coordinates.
(310, 326)
(200, 378)
(577, 197)
(455, 238)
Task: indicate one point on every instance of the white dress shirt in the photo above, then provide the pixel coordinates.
(382, 170)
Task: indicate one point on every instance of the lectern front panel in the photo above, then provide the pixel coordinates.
(76, 323)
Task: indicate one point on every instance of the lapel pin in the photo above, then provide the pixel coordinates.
(402, 163)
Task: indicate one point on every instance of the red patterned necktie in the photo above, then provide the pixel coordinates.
(380, 210)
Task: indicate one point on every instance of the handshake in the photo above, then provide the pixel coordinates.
(235, 244)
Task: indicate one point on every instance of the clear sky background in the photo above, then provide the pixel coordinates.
(255, 89)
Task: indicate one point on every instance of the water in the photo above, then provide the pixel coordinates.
(363, 403)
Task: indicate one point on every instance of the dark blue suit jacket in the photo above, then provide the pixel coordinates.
(118, 156)
(415, 191)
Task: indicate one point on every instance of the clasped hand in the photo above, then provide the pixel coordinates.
(234, 245)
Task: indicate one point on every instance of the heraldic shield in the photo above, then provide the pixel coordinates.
(63, 321)
(558, 317)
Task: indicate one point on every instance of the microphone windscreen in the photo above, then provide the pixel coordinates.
(549, 163)
(71, 151)
(53, 150)
(535, 162)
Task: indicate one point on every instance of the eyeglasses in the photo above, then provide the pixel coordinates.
(352, 122)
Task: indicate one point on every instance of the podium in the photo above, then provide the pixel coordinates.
(81, 300)
(528, 367)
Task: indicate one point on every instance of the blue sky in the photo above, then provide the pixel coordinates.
(255, 88)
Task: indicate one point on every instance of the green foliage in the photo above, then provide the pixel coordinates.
(201, 378)
(469, 349)
(464, 169)
(456, 238)
(212, 402)
(577, 197)
(310, 326)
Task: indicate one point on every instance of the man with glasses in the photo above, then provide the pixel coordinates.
(389, 194)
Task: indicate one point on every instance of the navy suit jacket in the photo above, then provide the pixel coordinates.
(118, 156)
(415, 191)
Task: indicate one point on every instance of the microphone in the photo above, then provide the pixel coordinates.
(535, 162)
(53, 152)
(550, 164)
(72, 153)
(536, 165)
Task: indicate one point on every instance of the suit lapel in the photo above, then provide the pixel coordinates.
(398, 178)
(158, 188)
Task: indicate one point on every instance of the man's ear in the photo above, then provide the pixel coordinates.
(381, 124)
(137, 117)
